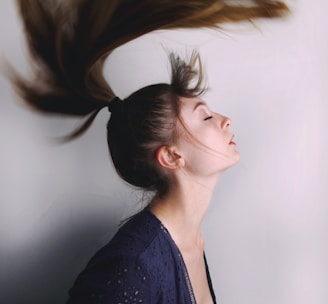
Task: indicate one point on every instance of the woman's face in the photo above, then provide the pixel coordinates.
(205, 140)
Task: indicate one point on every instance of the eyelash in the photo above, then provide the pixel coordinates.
(209, 117)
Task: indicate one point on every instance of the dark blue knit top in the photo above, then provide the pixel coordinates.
(141, 264)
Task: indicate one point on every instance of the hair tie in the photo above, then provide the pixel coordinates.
(115, 104)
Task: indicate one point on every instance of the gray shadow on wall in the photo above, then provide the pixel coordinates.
(45, 266)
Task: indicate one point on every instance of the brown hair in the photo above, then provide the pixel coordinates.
(70, 40)
(146, 120)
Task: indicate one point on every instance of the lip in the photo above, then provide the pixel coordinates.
(231, 141)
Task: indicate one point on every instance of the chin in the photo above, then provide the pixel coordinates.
(237, 157)
(234, 160)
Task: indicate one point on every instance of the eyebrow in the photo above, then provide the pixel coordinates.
(200, 103)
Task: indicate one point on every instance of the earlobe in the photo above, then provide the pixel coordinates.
(168, 158)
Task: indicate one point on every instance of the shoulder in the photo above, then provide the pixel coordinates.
(132, 239)
(125, 266)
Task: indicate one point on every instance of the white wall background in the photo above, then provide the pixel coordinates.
(266, 230)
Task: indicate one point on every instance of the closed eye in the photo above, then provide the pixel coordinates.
(209, 117)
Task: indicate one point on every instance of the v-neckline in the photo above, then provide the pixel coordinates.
(183, 264)
(185, 270)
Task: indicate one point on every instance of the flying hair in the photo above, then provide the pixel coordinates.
(70, 40)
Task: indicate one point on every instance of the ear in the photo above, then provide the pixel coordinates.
(169, 158)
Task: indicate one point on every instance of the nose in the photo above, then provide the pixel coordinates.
(225, 122)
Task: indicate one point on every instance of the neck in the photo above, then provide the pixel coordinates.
(182, 210)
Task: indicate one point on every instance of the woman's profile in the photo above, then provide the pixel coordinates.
(163, 138)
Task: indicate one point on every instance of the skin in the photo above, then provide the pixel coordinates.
(194, 163)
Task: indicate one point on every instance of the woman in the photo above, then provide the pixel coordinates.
(158, 256)
(162, 138)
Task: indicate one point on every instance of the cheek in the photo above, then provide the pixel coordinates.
(207, 151)
(213, 139)
(205, 159)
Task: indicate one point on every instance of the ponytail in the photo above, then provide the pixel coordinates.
(70, 40)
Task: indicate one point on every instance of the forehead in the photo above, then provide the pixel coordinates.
(189, 104)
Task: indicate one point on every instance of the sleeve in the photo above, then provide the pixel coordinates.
(123, 280)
